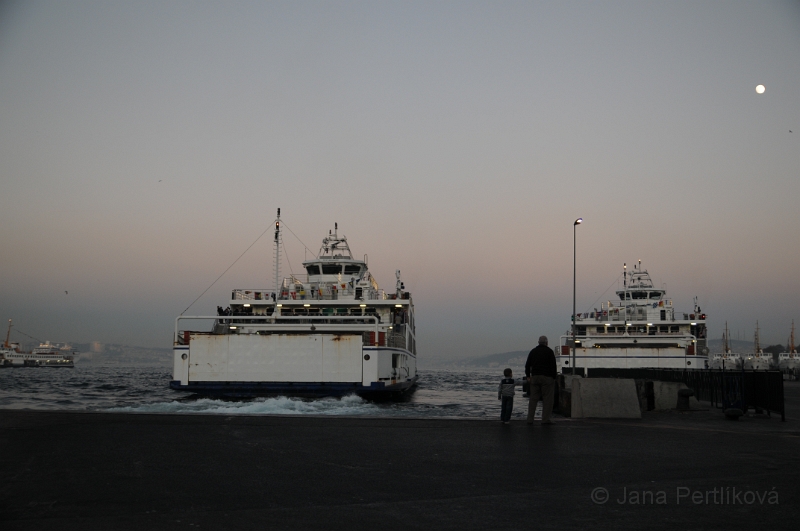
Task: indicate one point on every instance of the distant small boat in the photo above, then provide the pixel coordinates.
(45, 355)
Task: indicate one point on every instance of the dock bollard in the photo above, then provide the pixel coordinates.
(683, 399)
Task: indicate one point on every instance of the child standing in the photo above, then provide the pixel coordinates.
(505, 393)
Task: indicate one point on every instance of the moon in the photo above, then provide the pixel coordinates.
(760, 89)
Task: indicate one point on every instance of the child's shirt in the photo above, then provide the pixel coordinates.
(506, 387)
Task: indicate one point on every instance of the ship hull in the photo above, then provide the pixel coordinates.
(304, 365)
(377, 390)
(17, 363)
(632, 358)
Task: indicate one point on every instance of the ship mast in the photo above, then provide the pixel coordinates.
(277, 244)
(791, 340)
(625, 288)
(8, 334)
(755, 340)
(725, 348)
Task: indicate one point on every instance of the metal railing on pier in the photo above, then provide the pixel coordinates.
(252, 294)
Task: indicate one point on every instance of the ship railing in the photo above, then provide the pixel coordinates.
(330, 291)
(257, 294)
(634, 333)
(279, 323)
(397, 340)
(566, 340)
(621, 317)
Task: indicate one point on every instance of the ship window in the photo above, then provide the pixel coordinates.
(674, 328)
(331, 269)
(352, 269)
(663, 329)
(639, 294)
(600, 329)
(655, 295)
(313, 269)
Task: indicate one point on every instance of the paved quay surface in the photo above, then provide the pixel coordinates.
(61, 470)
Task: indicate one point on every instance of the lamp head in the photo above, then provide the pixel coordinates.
(578, 221)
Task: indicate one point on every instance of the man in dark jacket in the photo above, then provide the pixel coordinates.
(540, 370)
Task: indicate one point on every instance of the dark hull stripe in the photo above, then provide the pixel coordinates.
(247, 389)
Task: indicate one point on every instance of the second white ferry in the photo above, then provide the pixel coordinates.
(329, 332)
(641, 330)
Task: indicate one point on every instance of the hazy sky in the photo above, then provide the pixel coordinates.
(145, 145)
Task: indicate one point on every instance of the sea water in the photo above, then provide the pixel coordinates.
(439, 393)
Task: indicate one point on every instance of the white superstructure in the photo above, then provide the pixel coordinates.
(329, 331)
(45, 355)
(640, 330)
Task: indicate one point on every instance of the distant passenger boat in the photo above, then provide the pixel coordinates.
(329, 332)
(45, 355)
(641, 330)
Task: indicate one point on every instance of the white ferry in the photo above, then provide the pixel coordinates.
(727, 360)
(789, 361)
(641, 330)
(45, 355)
(758, 360)
(329, 332)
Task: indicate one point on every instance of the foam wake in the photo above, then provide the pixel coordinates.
(281, 405)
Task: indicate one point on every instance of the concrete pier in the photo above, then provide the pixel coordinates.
(89, 471)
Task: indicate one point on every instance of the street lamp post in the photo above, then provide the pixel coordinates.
(574, 270)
